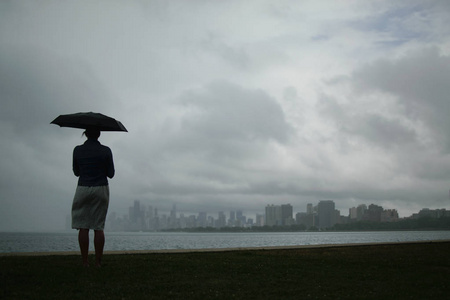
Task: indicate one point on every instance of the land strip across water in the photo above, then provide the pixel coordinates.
(119, 252)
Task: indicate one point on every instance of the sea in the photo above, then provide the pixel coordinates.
(12, 242)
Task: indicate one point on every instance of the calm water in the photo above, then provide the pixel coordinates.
(67, 241)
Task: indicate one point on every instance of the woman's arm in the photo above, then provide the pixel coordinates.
(75, 167)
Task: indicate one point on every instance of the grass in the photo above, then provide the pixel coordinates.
(401, 271)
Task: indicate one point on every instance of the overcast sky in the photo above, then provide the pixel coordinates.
(230, 105)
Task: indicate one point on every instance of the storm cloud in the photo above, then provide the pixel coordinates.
(229, 105)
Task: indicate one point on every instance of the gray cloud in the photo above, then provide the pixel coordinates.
(228, 112)
(223, 132)
(419, 81)
(34, 98)
(375, 128)
(398, 106)
(290, 102)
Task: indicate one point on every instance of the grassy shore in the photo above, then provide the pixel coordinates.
(399, 271)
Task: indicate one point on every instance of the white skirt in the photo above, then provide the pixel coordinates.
(89, 208)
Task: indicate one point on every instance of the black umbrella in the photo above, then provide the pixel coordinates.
(85, 120)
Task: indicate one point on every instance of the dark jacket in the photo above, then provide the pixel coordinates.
(93, 163)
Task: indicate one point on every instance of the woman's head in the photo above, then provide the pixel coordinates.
(91, 133)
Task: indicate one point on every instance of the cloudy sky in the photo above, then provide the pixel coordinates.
(229, 104)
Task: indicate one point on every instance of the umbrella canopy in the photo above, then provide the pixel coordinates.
(85, 120)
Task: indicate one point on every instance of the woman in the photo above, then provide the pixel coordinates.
(92, 163)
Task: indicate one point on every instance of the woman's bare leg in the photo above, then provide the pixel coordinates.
(83, 241)
(99, 243)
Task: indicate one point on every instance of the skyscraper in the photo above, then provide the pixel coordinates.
(360, 211)
(259, 220)
(286, 214)
(273, 215)
(221, 221)
(326, 214)
(173, 217)
(232, 219)
(202, 219)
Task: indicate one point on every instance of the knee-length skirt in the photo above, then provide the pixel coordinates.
(89, 208)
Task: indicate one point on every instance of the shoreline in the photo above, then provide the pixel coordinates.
(204, 250)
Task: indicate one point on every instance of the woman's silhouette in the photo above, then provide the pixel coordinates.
(92, 163)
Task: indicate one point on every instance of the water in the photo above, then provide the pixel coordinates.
(127, 241)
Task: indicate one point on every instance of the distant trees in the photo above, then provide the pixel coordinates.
(424, 223)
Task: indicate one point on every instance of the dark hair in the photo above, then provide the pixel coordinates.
(92, 133)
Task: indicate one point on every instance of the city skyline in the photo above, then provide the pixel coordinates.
(308, 206)
(322, 215)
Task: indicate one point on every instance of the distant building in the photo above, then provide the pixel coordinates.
(389, 215)
(373, 213)
(360, 211)
(240, 218)
(273, 215)
(352, 213)
(431, 213)
(173, 222)
(260, 220)
(221, 221)
(306, 219)
(191, 221)
(337, 217)
(286, 215)
(279, 215)
(326, 214)
(202, 219)
(232, 219)
(136, 216)
(182, 221)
